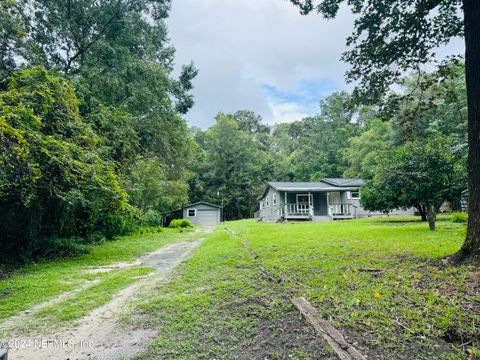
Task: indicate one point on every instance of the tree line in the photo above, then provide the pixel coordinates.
(93, 142)
(91, 129)
(411, 148)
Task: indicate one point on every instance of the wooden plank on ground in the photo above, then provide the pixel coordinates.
(230, 230)
(343, 349)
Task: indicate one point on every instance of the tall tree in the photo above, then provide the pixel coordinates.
(312, 148)
(364, 151)
(234, 164)
(393, 36)
(53, 183)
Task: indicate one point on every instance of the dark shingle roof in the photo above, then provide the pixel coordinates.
(329, 184)
(303, 186)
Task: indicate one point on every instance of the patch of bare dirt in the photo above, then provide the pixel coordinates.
(283, 337)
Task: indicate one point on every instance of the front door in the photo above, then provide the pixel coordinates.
(320, 207)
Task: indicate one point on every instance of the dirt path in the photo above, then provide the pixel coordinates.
(99, 335)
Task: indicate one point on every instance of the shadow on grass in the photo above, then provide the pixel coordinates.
(409, 221)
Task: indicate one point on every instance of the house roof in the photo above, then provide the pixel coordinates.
(329, 184)
(292, 186)
(344, 182)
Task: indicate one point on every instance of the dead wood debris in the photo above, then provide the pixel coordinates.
(343, 349)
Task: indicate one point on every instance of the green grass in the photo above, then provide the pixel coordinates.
(35, 284)
(219, 307)
(403, 312)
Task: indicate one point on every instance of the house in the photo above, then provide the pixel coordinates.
(328, 199)
(199, 213)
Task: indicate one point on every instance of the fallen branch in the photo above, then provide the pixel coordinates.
(249, 249)
(371, 270)
(264, 270)
(343, 349)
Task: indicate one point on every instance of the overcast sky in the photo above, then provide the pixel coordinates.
(259, 55)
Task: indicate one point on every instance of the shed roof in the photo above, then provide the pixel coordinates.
(202, 202)
(190, 205)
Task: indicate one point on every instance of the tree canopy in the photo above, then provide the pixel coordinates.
(392, 37)
(88, 90)
(421, 173)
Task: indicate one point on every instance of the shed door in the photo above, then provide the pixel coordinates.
(207, 216)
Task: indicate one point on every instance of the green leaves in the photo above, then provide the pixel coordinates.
(422, 173)
(53, 182)
(391, 37)
(234, 163)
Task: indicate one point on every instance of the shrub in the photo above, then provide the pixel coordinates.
(55, 247)
(149, 230)
(151, 218)
(180, 224)
(460, 217)
(117, 224)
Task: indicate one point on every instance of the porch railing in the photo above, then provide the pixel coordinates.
(346, 210)
(305, 210)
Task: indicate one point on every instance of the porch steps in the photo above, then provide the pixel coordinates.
(322, 218)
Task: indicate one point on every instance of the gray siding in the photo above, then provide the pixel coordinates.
(205, 214)
(271, 212)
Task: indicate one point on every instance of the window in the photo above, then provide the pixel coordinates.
(274, 199)
(355, 194)
(266, 201)
(192, 212)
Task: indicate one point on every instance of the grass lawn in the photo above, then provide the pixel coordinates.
(36, 284)
(418, 307)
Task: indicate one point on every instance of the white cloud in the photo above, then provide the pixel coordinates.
(286, 112)
(241, 45)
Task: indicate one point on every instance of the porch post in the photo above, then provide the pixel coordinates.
(310, 204)
(286, 205)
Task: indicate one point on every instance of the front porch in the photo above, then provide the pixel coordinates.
(317, 206)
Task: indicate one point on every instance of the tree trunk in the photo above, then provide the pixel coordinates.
(431, 217)
(423, 214)
(471, 8)
(422, 211)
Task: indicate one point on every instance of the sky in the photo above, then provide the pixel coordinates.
(260, 55)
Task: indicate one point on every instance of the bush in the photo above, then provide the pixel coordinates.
(55, 247)
(151, 218)
(116, 225)
(149, 230)
(459, 217)
(180, 224)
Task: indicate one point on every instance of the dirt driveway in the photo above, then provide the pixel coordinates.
(99, 335)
